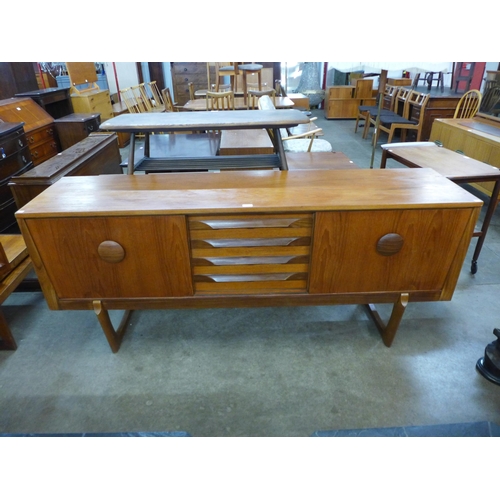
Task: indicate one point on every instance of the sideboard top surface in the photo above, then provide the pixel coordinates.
(248, 192)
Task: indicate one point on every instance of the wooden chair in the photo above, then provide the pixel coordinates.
(192, 95)
(230, 69)
(298, 143)
(167, 99)
(156, 99)
(389, 97)
(468, 105)
(127, 96)
(399, 107)
(141, 98)
(391, 123)
(220, 100)
(15, 264)
(255, 95)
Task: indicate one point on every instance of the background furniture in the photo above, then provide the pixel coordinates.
(55, 101)
(38, 125)
(15, 264)
(240, 239)
(185, 72)
(152, 123)
(342, 101)
(477, 137)
(15, 159)
(75, 127)
(468, 105)
(90, 99)
(16, 77)
(96, 154)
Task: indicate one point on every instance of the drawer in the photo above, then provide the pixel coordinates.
(5, 191)
(190, 68)
(41, 135)
(44, 151)
(12, 143)
(250, 253)
(13, 164)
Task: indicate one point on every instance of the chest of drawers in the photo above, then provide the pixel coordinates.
(94, 101)
(38, 126)
(15, 159)
(184, 73)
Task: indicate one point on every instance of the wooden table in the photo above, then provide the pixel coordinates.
(456, 167)
(249, 239)
(148, 123)
(239, 104)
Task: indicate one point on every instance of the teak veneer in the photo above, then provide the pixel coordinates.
(249, 239)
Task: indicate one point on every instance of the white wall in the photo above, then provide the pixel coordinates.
(126, 74)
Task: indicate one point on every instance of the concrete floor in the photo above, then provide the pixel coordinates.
(256, 372)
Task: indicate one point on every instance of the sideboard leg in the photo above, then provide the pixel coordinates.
(7, 341)
(388, 331)
(113, 336)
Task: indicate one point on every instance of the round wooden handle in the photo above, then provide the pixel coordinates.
(111, 251)
(390, 244)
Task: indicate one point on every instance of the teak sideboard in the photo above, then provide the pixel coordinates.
(249, 239)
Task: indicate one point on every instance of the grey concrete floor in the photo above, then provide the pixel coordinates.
(256, 372)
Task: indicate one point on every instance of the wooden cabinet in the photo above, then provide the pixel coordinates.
(184, 73)
(343, 101)
(15, 159)
(249, 239)
(477, 137)
(75, 127)
(93, 102)
(97, 154)
(38, 125)
(438, 106)
(55, 101)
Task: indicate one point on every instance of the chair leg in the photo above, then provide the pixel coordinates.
(259, 76)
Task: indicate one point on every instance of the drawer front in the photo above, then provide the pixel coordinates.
(44, 151)
(5, 191)
(41, 135)
(397, 251)
(251, 253)
(92, 125)
(190, 68)
(115, 257)
(12, 143)
(14, 163)
(8, 221)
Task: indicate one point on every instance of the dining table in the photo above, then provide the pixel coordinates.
(157, 123)
(239, 104)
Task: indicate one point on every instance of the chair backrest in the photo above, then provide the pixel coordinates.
(141, 98)
(265, 103)
(390, 94)
(418, 100)
(253, 97)
(220, 100)
(191, 91)
(156, 98)
(468, 105)
(167, 99)
(280, 91)
(127, 96)
(401, 104)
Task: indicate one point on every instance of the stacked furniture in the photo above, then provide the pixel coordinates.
(15, 159)
(343, 101)
(90, 99)
(38, 125)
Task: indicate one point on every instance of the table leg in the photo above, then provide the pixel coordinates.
(383, 160)
(278, 145)
(487, 218)
(131, 155)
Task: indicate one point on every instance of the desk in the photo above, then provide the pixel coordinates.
(55, 101)
(239, 104)
(147, 123)
(456, 167)
(249, 239)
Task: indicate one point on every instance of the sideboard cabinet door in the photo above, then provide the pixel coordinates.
(385, 250)
(115, 257)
